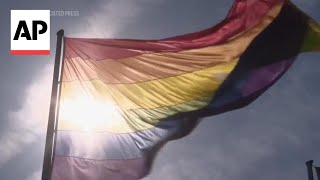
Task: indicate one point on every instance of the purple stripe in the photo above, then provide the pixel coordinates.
(265, 76)
(69, 168)
(255, 86)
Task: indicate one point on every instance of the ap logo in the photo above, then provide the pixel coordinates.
(30, 32)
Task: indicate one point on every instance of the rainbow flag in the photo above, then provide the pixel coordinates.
(123, 99)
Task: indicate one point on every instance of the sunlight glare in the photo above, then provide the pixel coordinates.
(89, 114)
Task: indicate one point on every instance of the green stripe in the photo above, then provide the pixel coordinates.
(312, 38)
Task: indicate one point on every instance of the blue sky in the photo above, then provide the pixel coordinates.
(270, 139)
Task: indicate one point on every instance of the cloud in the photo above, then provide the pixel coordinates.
(27, 124)
(110, 17)
(35, 176)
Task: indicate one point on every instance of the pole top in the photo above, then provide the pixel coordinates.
(309, 163)
(60, 32)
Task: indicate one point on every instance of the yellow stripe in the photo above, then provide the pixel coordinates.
(312, 39)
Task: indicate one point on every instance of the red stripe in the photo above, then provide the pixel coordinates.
(30, 52)
(243, 15)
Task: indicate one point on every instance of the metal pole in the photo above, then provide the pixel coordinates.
(58, 106)
(309, 168)
(48, 156)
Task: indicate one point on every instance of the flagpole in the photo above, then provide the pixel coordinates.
(49, 146)
(309, 168)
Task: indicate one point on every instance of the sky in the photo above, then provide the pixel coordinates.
(270, 139)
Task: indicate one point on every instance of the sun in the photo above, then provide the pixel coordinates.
(87, 114)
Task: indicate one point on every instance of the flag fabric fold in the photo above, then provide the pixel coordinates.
(122, 99)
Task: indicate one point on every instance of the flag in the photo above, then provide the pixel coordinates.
(122, 99)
